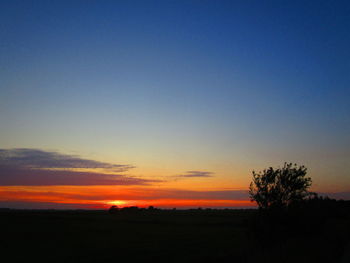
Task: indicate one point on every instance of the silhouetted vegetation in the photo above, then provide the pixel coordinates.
(279, 188)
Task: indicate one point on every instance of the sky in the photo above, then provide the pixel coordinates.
(170, 103)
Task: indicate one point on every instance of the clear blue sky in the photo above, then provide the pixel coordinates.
(219, 86)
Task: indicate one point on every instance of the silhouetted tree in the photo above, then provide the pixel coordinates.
(278, 188)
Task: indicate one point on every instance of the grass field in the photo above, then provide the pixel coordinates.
(162, 236)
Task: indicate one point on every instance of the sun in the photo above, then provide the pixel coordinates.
(116, 202)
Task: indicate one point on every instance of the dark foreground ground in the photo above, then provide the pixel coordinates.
(166, 236)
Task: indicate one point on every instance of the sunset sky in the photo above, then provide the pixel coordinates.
(170, 103)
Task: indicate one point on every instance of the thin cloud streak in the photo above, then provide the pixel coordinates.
(196, 174)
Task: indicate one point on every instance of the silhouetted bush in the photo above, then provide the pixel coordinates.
(113, 209)
(319, 209)
(130, 209)
(307, 217)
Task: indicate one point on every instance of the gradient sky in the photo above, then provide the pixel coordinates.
(190, 96)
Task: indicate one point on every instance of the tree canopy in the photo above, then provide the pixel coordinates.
(278, 188)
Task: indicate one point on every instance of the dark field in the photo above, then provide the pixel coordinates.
(166, 236)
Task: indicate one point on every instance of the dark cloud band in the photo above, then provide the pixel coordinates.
(36, 158)
(33, 167)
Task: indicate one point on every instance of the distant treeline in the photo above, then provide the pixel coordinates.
(130, 209)
(317, 206)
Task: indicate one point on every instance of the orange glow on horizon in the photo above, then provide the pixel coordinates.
(103, 197)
